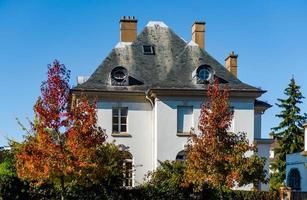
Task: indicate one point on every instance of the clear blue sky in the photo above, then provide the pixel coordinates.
(269, 36)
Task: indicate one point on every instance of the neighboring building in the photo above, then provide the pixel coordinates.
(3, 150)
(272, 157)
(150, 89)
(296, 168)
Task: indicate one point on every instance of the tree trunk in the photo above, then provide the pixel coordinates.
(62, 188)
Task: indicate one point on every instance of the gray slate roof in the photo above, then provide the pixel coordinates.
(170, 68)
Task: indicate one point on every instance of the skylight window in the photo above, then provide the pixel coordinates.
(148, 50)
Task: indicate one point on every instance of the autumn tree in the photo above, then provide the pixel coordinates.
(64, 141)
(289, 133)
(217, 158)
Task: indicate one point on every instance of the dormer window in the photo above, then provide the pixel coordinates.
(148, 50)
(119, 76)
(203, 74)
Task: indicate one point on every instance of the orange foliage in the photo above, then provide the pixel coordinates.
(63, 139)
(216, 157)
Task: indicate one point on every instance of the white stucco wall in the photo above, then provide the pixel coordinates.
(264, 151)
(140, 127)
(244, 117)
(154, 130)
(169, 144)
(296, 160)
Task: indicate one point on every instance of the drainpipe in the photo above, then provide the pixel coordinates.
(148, 98)
(154, 134)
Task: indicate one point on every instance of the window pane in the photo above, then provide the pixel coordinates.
(123, 111)
(115, 128)
(181, 156)
(115, 120)
(128, 173)
(115, 112)
(148, 49)
(129, 168)
(184, 118)
(123, 120)
(123, 128)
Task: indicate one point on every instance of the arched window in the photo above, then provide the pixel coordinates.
(119, 76)
(294, 179)
(128, 170)
(181, 156)
(203, 74)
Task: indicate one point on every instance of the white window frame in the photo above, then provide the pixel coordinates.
(128, 179)
(119, 116)
(192, 119)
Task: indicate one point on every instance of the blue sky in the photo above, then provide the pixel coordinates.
(269, 36)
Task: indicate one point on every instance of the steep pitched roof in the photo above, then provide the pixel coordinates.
(170, 68)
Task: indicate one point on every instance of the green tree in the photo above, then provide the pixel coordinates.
(11, 187)
(289, 132)
(168, 177)
(7, 167)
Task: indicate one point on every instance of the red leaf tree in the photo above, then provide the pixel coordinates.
(217, 157)
(63, 140)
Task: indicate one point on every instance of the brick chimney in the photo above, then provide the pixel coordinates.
(198, 34)
(231, 63)
(128, 29)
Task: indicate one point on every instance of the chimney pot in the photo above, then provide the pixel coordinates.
(231, 63)
(198, 34)
(128, 29)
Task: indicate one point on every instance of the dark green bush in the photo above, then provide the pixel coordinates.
(22, 190)
(12, 187)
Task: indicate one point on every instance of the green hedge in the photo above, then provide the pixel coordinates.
(140, 193)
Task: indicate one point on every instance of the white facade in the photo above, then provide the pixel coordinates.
(264, 151)
(161, 80)
(152, 128)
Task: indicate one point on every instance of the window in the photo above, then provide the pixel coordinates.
(184, 119)
(294, 179)
(203, 74)
(148, 50)
(119, 119)
(181, 156)
(128, 169)
(119, 76)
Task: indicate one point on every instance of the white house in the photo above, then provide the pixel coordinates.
(296, 168)
(150, 89)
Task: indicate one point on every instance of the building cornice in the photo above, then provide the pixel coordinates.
(154, 93)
